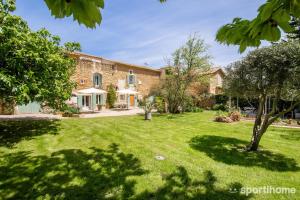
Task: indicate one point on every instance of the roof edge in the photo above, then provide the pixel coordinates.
(76, 53)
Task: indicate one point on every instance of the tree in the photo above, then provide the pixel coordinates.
(33, 66)
(83, 11)
(273, 16)
(111, 96)
(188, 63)
(270, 72)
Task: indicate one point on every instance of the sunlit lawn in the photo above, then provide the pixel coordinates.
(114, 158)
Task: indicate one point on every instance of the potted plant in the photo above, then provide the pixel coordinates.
(148, 105)
(99, 106)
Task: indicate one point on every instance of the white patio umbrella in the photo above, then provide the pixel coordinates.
(91, 91)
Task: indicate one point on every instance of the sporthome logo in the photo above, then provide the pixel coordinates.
(263, 190)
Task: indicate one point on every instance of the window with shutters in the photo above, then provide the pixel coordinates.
(131, 79)
(98, 99)
(97, 79)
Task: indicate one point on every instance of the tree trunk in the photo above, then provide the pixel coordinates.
(256, 136)
(258, 129)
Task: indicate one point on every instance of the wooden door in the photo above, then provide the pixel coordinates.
(131, 100)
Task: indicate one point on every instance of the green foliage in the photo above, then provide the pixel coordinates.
(220, 107)
(273, 16)
(72, 46)
(83, 11)
(194, 109)
(148, 104)
(160, 104)
(221, 99)
(188, 61)
(221, 113)
(111, 96)
(269, 71)
(69, 111)
(33, 65)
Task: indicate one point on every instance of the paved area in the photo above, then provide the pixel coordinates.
(110, 113)
(282, 126)
(104, 113)
(29, 117)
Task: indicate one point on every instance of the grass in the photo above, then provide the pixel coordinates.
(114, 158)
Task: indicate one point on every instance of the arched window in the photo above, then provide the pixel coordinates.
(97, 79)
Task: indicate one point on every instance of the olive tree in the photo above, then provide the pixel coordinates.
(33, 65)
(269, 72)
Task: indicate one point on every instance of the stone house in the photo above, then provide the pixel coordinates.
(216, 77)
(212, 84)
(95, 74)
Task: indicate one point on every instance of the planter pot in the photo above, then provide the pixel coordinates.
(67, 114)
(99, 107)
(148, 116)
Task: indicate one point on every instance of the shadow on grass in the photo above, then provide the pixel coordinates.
(179, 185)
(69, 174)
(12, 132)
(229, 151)
(291, 134)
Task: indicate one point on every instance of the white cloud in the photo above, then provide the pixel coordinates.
(146, 31)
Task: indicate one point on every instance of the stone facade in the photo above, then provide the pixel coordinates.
(212, 81)
(113, 72)
(216, 81)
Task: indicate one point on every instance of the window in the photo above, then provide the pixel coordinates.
(97, 80)
(86, 101)
(122, 97)
(131, 79)
(82, 81)
(98, 99)
(130, 71)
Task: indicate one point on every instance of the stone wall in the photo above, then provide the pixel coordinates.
(216, 83)
(113, 72)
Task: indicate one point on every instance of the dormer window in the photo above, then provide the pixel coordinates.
(97, 80)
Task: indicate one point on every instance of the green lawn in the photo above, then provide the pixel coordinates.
(114, 158)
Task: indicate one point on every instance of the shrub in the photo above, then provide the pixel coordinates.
(222, 116)
(197, 109)
(221, 107)
(160, 105)
(221, 99)
(69, 111)
(111, 96)
(205, 101)
(188, 104)
(235, 116)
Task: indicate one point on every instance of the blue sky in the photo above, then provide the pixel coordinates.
(145, 31)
